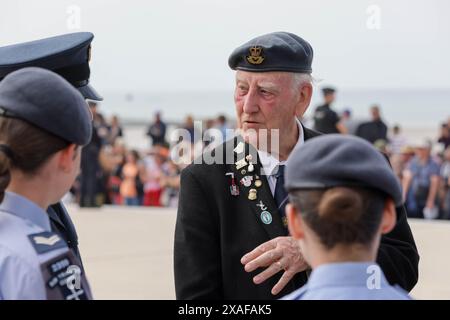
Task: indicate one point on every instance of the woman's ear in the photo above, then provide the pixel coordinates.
(67, 157)
(295, 223)
(389, 219)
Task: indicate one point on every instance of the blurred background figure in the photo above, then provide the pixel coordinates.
(189, 126)
(375, 129)
(153, 164)
(170, 181)
(117, 159)
(348, 122)
(397, 141)
(327, 120)
(445, 185)
(222, 125)
(421, 182)
(115, 130)
(91, 187)
(444, 136)
(157, 131)
(400, 161)
(131, 188)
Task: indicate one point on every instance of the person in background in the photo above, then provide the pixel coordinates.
(375, 129)
(444, 137)
(152, 177)
(115, 130)
(131, 185)
(421, 178)
(91, 172)
(157, 131)
(341, 205)
(325, 119)
(348, 122)
(189, 126)
(400, 161)
(222, 125)
(170, 182)
(207, 136)
(397, 141)
(445, 185)
(117, 158)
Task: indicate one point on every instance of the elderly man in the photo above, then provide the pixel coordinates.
(231, 240)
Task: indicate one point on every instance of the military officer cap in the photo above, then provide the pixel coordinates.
(335, 160)
(49, 102)
(328, 90)
(277, 51)
(68, 55)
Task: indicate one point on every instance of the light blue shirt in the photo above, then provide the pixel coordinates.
(348, 281)
(20, 273)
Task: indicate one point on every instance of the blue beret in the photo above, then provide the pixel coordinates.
(338, 160)
(68, 55)
(278, 51)
(49, 102)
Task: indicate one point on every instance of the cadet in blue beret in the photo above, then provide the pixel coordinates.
(68, 55)
(231, 238)
(341, 204)
(44, 122)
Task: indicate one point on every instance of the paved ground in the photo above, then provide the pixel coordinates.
(128, 253)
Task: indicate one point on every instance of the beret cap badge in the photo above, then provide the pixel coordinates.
(255, 56)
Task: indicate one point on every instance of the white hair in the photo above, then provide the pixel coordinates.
(299, 79)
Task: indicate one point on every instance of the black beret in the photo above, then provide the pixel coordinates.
(277, 51)
(49, 102)
(68, 55)
(334, 160)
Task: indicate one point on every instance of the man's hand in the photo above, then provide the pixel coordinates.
(282, 253)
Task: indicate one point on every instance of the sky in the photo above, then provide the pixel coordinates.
(176, 45)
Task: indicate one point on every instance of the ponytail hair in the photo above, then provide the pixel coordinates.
(341, 215)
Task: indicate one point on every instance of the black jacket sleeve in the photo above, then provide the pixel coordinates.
(398, 256)
(197, 260)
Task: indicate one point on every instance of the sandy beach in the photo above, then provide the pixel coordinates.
(128, 253)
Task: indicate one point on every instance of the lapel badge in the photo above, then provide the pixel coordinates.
(252, 194)
(266, 217)
(243, 171)
(255, 56)
(261, 205)
(251, 167)
(240, 164)
(285, 221)
(247, 181)
(239, 148)
(258, 182)
(234, 190)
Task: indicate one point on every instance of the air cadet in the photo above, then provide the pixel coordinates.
(231, 240)
(340, 206)
(44, 122)
(68, 55)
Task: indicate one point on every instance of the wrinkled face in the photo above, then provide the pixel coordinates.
(265, 100)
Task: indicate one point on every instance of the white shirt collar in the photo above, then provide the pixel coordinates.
(269, 163)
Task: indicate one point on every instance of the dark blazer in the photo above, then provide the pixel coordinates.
(214, 229)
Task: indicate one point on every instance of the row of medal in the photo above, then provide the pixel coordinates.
(247, 181)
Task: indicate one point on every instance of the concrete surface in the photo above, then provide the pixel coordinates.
(128, 253)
